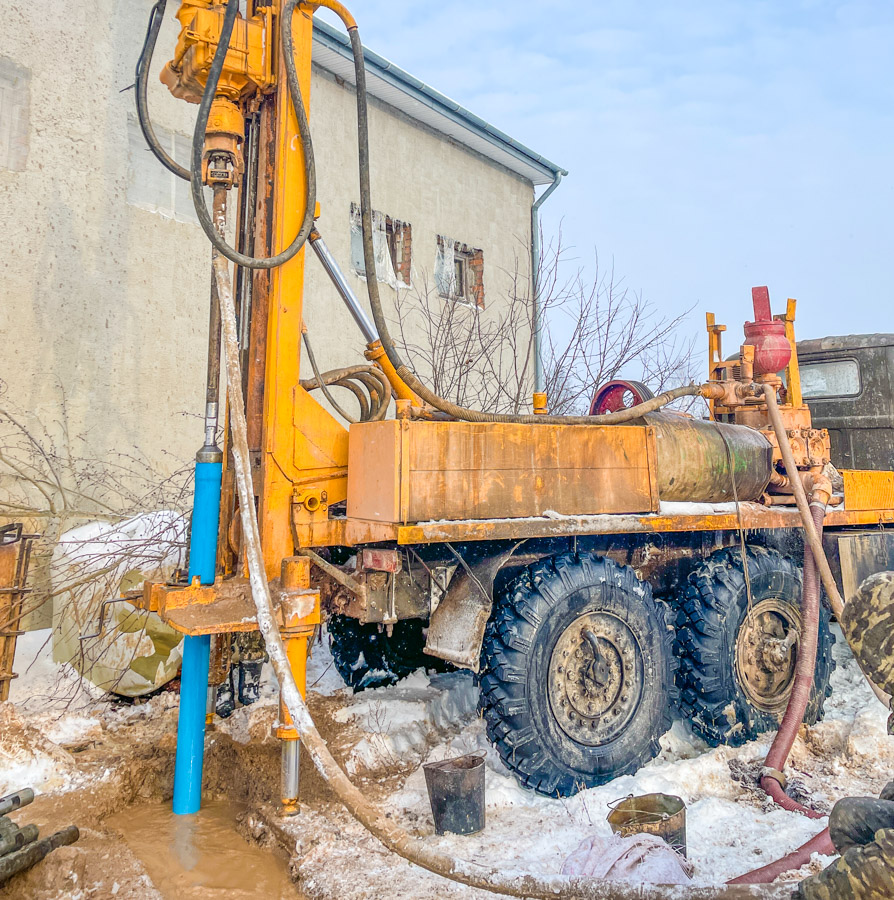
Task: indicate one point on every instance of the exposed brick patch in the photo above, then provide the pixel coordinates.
(466, 281)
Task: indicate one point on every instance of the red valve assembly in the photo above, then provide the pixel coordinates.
(772, 350)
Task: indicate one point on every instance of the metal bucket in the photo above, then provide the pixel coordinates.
(456, 793)
(660, 814)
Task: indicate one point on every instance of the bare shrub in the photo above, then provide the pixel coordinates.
(592, 329)
(52, 489)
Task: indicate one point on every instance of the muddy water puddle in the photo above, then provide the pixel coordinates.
(202, 855)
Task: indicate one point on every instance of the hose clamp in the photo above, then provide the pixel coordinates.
(775, 774)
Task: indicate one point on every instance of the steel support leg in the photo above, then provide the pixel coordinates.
(296, 649)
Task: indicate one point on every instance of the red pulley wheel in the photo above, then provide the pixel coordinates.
(619, 394)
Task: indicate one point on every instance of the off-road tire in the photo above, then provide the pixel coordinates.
(367, 657)
(532, 619)
(710, 613)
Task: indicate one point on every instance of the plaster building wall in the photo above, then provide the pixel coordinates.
(418, 177)
(105, 275)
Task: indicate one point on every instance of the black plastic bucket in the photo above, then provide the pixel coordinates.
(456, 793)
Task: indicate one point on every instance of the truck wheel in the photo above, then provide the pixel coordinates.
(366, 657)
(578, 681)
(737, 670)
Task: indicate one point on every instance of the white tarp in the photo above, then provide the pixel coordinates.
(138, 653)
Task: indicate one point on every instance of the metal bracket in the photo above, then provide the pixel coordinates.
(102, 611)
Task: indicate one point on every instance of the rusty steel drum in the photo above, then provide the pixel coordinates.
(694, 457)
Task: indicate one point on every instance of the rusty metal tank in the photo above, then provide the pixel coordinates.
(694, 459)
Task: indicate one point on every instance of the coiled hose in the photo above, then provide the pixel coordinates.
(368, 384)
(387, 831)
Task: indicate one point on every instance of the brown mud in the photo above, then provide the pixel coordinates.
(132, 847)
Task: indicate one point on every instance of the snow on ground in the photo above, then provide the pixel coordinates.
(385, 735)
(50, 709)
(730, 830)
(43, 685)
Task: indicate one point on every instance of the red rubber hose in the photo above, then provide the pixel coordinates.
(791, 721)
(822, 843)
(805, 666)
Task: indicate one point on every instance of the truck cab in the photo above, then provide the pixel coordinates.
(848, 384)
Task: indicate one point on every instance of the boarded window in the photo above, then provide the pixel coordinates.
(459, 272)
(150, 185)
(15, 102)
(392, 246)
(835, 378)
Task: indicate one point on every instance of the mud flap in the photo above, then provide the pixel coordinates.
(456, 629)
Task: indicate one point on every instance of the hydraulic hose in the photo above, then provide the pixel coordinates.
(141, 86)
(387, 831)
(194, 176)
(803, 683)
(368, 384)
(198, 142)
(811, 537)
(375, 301)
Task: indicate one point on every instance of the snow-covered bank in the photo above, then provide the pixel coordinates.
(383, 736)
(731, 829)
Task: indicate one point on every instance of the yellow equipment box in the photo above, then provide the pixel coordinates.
(413, 471)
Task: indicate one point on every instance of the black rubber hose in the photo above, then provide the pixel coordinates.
(198, 143)
(375, 302)
(141, 86)
(321, 383)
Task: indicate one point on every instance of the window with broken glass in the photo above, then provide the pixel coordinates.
(459, 272)
(392, 247)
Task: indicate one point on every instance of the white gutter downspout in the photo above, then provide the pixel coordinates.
(535, 277)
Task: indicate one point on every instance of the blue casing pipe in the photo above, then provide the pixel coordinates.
(196, 650)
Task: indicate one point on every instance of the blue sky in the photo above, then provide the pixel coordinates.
(711, 146)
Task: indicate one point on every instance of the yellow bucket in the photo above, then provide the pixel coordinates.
(660, 814)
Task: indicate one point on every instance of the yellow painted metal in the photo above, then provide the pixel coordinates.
(352, 532)
(375, 352)
(320, 458)
(865, 489)
(792, 371)
(716, 364)
(300, 616)
(247, 68)
(196, 609)
(408, 470)
(280, 469)
(754, 516)
(340, 10)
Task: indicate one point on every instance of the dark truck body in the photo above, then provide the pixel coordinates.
(848, 383)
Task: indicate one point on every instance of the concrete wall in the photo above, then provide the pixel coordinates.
(104, 303)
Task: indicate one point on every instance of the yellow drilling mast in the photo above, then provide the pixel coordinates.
(426, 530)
